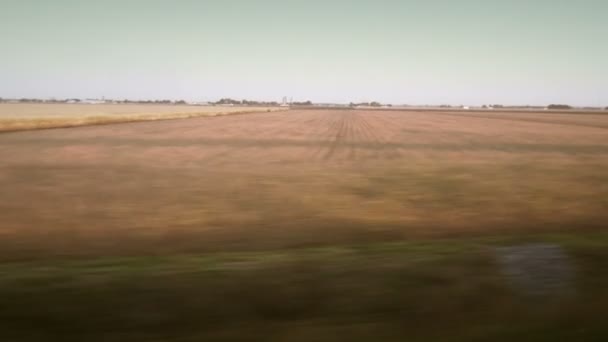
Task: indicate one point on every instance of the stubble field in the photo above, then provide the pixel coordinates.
(301, 178)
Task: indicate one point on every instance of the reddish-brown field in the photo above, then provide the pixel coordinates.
(299, 178)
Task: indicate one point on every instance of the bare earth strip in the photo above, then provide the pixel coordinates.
(298, 178)
(18, 117)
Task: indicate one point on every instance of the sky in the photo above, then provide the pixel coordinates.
(469, 52)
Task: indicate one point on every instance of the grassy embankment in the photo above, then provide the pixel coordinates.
(434, 290)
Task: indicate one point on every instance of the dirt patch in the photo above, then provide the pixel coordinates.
(538, 269)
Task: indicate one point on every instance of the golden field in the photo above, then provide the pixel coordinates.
(19, 116)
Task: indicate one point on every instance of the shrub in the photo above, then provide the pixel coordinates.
(559, 106)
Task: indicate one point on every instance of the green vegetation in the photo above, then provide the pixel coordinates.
(442, 290)
(558, 106)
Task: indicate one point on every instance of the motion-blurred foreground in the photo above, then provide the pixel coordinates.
(308, 225)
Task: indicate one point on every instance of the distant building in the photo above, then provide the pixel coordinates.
(284, 103)
(92, 101)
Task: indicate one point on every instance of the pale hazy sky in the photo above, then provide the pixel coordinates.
(398, 51)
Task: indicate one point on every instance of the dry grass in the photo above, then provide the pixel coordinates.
(17, 117)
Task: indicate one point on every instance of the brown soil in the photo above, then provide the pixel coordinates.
(298, 178)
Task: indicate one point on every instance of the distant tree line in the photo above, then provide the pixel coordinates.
(25, 100)
(304, 103)
(229, 101)
(366, 104)
(558, 106)
(223, 101)
(76, 100)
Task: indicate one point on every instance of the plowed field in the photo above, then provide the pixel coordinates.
(299, 178)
